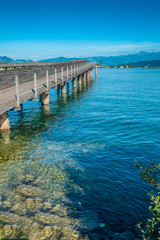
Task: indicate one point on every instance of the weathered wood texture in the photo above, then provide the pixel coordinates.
(25, 74)
(38, 64)
(33, 80)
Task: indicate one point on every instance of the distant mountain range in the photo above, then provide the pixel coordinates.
(132, 59)
(147, 64)
(10, 60)
(125, 59)
(115, 60)
(59, 59)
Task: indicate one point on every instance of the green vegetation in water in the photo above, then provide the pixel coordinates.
(151, 230)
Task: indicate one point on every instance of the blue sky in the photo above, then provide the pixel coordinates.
(43, 29)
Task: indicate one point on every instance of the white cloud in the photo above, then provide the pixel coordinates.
(48, 49)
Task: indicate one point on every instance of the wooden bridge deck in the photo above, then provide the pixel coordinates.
(26, 86)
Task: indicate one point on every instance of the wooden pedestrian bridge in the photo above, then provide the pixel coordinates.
(26, 81)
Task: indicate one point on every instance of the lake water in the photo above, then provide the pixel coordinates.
(68, 172)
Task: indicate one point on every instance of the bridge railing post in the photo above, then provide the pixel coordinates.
(35, 85)
(62, 74)
(71, 71)
(67, 73)
(47, 80)
(55, 75)
(77, 69)
(17, 91)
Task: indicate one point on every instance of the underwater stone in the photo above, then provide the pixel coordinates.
(56, 208)
(47, 205)
(19, 207)
(70, 234)
(35, 232)
(29, 202)
(7, 230)
(7, 203)
(18, 198)
(29, 190)
(47, 231)
(60, 210)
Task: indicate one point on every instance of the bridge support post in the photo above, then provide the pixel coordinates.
(74, 82)
(88, 77)
(84, 79)
(80, 81)
(91, 74)
(64, 88)
(4, 121)
(44, 98)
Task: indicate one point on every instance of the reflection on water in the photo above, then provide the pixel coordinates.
(67, 170)
(6, 136)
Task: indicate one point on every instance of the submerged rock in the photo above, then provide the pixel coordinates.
(7, 231)
(29, 203)
(60, 210)
(36, 232)
(30, 191)
(70, 234)
(47, 232)
(7, 203)
(47, 205)
(7, 217)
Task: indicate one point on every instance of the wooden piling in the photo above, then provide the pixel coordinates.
(4, 121)
(80, 81)
(44, 98)
(64, 89)
(74, 82)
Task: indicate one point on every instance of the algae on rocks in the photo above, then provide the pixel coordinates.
(34, 203)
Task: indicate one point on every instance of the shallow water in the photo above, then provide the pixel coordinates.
(67, 171)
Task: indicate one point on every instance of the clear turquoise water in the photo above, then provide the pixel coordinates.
(78, 156)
